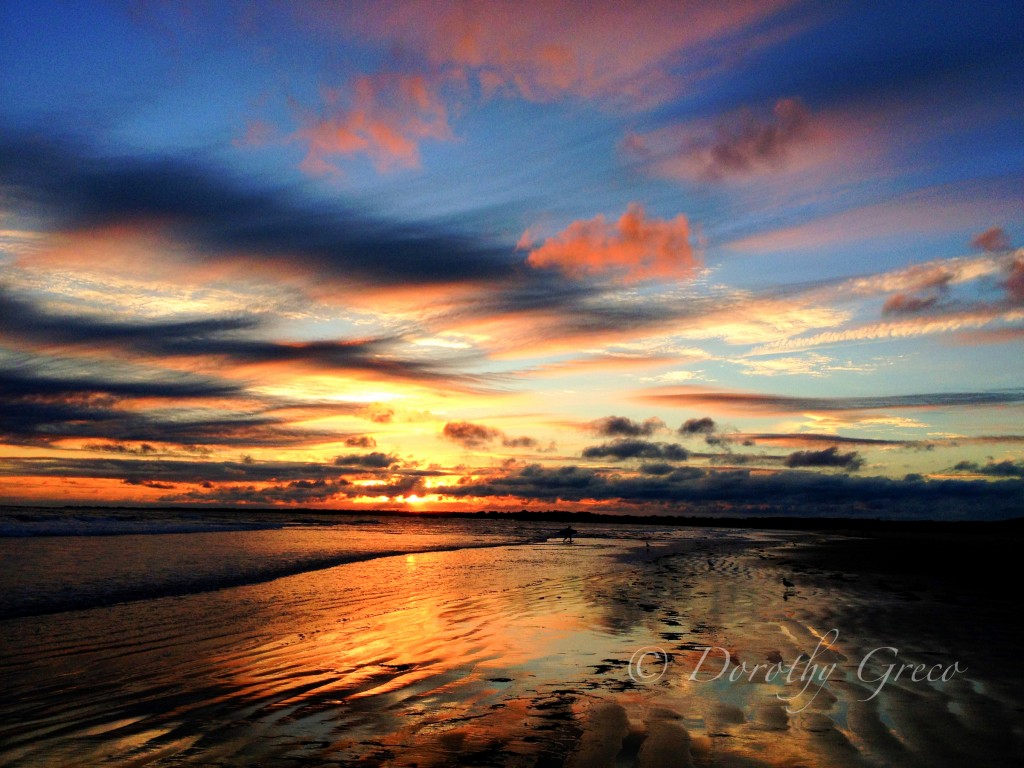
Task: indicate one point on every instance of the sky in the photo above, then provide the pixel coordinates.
(724, 258)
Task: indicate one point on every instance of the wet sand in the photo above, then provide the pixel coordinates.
(536, 655)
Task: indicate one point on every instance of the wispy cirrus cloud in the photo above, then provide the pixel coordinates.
(624, 57)
(941, 209)
(906, 327)
(771, 404)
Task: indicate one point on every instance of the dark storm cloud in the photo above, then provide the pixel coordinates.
(42, 408)
(470, 435)
(1005, 468)
(740, 491)
(620, 426)
(657, 468)
(701, 426)
(360, 441)
(294, 492)
(22, 383)
(298, 492)
(827, 457)
(374, 460)
(626, 448)
(75, 190)
(172, 470)
(23, 320)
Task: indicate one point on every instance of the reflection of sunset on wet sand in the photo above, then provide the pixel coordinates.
(521, 654)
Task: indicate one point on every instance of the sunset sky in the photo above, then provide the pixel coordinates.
(668, 257)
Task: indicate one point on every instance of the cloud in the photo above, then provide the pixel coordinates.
(519, 442)
(633, 248)
(977, 316)
(470, 435)
(373, 460)
(1005, 468)
(169, 470)
(1015, 282)
(751, 402)
(360, 441)
(217, 337)
(627, 448)
(294, 492)
(794, 439)
(902, 303)
(947, 209)
(743, 492)
(828, 457)
(225, 218)
(809, 364)
(47, 400)
(622, 56)
(744, 143)
(384, 116)
(992, 240)
(620, 426)
(702, 426)
(657, 468)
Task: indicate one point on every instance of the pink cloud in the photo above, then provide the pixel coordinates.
(809, 147)
(902, 303)
(384, 116)
(741, 144)
(992, 239)
(928, 211)
(545, 50)
(633, 248)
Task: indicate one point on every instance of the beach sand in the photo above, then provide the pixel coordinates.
(538, 654)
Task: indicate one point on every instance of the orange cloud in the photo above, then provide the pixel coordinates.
(633, 248)
(384, 116)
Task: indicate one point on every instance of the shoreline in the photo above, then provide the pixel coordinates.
(836, 524)
(523, 655)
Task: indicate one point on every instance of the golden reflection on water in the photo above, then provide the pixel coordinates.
(508, 656)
